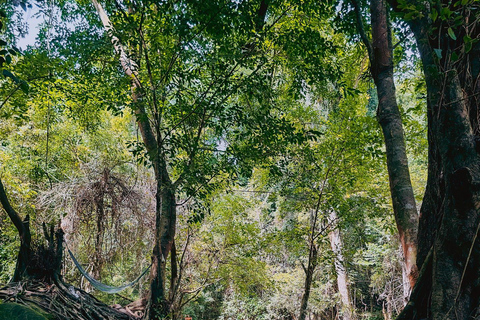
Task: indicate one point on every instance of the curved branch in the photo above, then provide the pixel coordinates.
(23, 257)
(12, 214)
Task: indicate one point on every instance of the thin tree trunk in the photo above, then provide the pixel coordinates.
(100, 208)
(342, 276)
(381, 67)
(309, 271)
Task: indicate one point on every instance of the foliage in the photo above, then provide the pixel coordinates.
(264, 123)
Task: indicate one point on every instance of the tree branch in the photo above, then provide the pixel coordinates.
(13, 215)
(361, 30)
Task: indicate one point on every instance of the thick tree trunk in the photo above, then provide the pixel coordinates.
(449, 248)
(342, 276)
(403, 200)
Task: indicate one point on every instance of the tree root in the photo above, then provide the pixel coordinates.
(61, 301)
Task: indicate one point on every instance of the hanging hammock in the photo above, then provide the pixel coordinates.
(101, 286)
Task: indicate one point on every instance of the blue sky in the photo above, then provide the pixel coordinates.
(33, 23)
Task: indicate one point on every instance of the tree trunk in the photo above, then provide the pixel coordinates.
(23, 228)
(100, 208)
(381, 67)
(342, 276)
(165, 223)
(309, 270)
(449, 218)
(159, 304)
(41, 262)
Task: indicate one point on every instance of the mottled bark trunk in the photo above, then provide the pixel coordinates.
(405, 281)
(449, 249)
(403, 200)
(342, 275)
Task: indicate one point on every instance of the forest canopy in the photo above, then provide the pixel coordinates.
(250, 159)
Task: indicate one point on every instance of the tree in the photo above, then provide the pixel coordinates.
(380, 53)
(446, 33)
(183, 139)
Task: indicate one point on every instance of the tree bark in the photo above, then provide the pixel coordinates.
(159, 305)
(42, 261)
(449, 217)
(342, 276)
(99, 200)
(381, 66)
(23, 228)
(309, 271)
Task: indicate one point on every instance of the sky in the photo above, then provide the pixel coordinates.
(33, 23)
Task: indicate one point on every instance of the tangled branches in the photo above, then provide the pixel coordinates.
(59, 301)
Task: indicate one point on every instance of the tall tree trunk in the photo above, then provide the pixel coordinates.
(159, 304)
(165, 222)
(449, 250)
(342, 276)
(381, 67)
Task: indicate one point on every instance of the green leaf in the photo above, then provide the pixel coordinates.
(8, 74)
(409, 16)
(452, 34)
(3, 43)
(446, 13)
(434, 15)
(454, 56)
(468, 42)
(438, 52)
